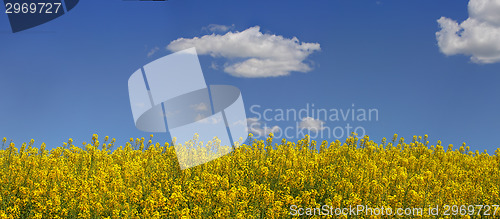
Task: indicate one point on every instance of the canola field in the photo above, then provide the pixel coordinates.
(262, 179)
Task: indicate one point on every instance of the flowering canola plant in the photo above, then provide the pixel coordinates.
(261, 179)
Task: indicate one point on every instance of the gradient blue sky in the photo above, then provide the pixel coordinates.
(68, 78)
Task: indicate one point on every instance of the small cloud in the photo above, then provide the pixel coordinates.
(208, 120)
(478, 36)
(251, 53)
(153, 51)
(240, 122)
(213, 28)
(255, 127)
(312, 124)
(172, 113)
(200, 107)
(199, 117)
(214, 66)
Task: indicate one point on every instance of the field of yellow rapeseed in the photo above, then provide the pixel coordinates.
(262, 179)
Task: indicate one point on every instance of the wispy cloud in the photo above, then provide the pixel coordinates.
(200, 106)
(153, 51)
(255, 127)
(217, 28)
(208, 119)
(312, 124)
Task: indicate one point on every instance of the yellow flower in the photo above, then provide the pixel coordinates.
(253, 181)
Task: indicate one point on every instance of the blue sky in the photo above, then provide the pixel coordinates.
(68, 77)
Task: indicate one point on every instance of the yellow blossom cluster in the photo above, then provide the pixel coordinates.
(261, 179)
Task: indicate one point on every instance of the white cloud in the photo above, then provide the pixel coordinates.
(214, 66)
(208, 119)
(153, 51)
(172, 113)
(478, 36)
(264, 55)
(200, 107)
(255, 127)
(311, 124)
(218, 28)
